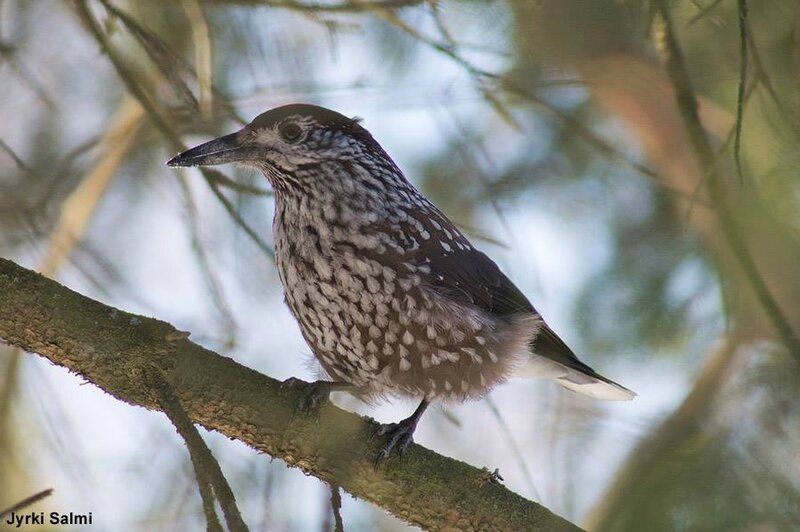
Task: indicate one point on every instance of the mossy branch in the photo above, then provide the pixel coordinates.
(120, 353)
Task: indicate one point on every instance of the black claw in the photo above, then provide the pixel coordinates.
(404, 444)
(382, 455)
(400, 437)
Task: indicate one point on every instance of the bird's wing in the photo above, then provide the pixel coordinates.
(470, 277)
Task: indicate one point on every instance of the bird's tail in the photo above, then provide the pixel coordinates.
(588, 383)
(552, 359)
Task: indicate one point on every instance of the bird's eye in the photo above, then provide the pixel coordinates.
(290, 131)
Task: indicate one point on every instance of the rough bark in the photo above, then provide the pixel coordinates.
(126, 355)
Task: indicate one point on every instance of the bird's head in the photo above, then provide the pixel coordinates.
(290, 144)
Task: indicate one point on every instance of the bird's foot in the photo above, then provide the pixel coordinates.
(400, 436)
(314, 394)
(491, 477)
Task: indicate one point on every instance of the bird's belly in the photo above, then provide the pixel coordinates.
(345, 314)
(379, 329)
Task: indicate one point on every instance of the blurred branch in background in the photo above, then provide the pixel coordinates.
(76, 212)
(33, 499)
(202, 50)
(616, 510)
(756, 253)
(213, 283)
(122, 353)
(724, 201)
(211, 176)
(8, 54)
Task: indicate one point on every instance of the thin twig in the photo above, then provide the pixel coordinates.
(16, 158)
(202, 50)
(469, 157)
(171, 66)
(24, 503)
(764, 77)
(514, 447)
(8, 53)
(212, 282)
(211, 176)
(336, 508)
(705, 12)
(719, 156)
(737, 143)
(242, 188)
(206, 466)
(212, 183)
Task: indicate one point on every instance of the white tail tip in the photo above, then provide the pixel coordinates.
(539, 367)
(605, 391)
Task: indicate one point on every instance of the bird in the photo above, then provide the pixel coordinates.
(392, 298)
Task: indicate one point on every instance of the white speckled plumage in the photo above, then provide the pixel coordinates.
(389, 294)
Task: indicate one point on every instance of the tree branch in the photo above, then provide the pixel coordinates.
(685, 425)
(33, 499)
(211, 176)
(119, 352)
(207, 469)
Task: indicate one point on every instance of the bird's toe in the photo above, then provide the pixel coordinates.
(399, 437)
(292, 382)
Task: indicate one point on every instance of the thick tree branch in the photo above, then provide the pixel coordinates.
(120, 352)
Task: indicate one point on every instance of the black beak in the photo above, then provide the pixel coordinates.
(223, 150)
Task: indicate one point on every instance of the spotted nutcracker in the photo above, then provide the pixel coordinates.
(392, 298)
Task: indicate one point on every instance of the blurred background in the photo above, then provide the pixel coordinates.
(547, 130)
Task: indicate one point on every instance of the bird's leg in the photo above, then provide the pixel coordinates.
(400, 435)
(314, 393)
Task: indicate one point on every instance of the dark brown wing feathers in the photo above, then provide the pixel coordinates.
(471, 277)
